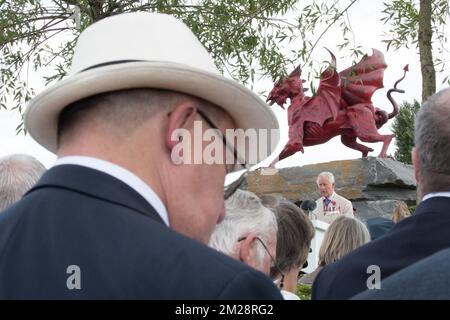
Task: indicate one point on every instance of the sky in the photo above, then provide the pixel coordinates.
(367, 30)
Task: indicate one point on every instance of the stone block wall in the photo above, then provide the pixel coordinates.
(372, 184)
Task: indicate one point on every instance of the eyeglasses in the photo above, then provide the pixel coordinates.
(272, 259)
(230, 189)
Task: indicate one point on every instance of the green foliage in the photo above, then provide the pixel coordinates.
(315, 19)
(403, 127)
(245, 37)
(403, 15)
(403, 18)
(304, 291)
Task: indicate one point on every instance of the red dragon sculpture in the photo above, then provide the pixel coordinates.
(342, 106)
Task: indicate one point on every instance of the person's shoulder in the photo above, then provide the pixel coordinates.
(9, 218)
(12, 216)
(343, 278)
(208, 274)
(249, 284)
(427, 279)
(210, 260)
(341, 198)
(438, 206)
(235, 279)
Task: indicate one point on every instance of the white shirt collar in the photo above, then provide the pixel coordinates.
(287, 295)
(436, 194)
(330, 197)
(123, 175)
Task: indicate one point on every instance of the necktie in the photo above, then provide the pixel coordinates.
(326, 201)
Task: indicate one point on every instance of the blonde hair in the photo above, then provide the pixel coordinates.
(400, 212)
(344, 235)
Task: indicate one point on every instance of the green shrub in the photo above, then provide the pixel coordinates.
(403, 127)
(304, 291)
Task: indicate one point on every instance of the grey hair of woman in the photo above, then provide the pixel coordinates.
(344, 235)
(244, 214)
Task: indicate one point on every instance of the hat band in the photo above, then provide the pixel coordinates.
(110, 63)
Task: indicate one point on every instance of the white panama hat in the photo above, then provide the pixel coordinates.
(146, 50)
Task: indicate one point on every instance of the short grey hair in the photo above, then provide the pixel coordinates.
(121, 112)
(326, 174)
(432, 140)
(244, 214)
(18, 173)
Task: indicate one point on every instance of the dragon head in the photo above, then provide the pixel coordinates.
(286, 88)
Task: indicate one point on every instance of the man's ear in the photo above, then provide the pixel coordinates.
(416, 163)
(181, 120)
(247, 248)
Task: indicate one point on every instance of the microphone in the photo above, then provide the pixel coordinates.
(308, 205)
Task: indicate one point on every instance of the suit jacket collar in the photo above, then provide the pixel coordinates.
(435, 204)
(96, 184)
(124, 175)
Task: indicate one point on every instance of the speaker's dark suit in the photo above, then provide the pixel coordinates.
(411, 240)
(76, 216)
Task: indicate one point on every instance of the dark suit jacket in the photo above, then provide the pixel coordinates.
(411, 240)
(83, 217)
(426, 279)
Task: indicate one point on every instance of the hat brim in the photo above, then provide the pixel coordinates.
(246, 108)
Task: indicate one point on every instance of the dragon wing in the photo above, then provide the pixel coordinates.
(326, 103)
(329, 92)
(361, 80)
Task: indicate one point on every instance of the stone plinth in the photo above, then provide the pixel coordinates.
(372, 184)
